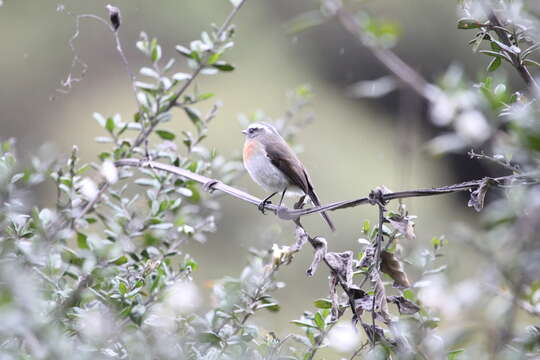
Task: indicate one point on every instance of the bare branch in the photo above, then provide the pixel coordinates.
(399, 68)
(293, 214)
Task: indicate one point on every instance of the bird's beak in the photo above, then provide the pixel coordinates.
(244, 132)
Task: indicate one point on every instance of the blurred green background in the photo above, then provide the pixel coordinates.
(352, 147)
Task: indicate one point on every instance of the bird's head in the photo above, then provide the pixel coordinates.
(259, 129)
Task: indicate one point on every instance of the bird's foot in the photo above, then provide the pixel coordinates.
(262, 204)
(209, 186)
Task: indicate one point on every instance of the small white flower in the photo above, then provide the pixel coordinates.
(472, 125)
(89, 189)
(94, 325)
(182, 297)
(109, 172)
(343, 337)
(235, 3)
(442, 110)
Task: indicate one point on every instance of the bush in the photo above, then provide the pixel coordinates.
(103, 275)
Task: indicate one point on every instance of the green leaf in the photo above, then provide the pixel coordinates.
(82, 241)
(122, 288)
(205, 96)
(323, 304)
(180, 76)
(121, 260)
(213, 58)
(193, 115)
(365, 227)
(109, 125)
(192, 264)
(209, 337)
(272, 307)
(319, 321)
(100, 119)
(494, 64)
(155, 51)
(468, 24)
(223, 66)
(302, 323)
(455, 354)
(165, 135)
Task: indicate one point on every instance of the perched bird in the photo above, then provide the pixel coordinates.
(273, 165)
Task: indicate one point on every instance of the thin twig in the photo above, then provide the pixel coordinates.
(359, 350)
(502, 162)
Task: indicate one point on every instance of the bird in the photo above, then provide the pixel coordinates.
(274, 166)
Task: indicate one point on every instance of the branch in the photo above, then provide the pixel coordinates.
(173, 102)
(293, 214)
(503, 36)
(144, 134)
(401, 70)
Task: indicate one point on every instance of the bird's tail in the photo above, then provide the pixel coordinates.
(325, 216)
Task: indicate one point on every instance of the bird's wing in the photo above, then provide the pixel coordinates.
(282, 157)
(286, 161)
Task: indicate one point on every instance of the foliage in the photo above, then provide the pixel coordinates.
(102, 273)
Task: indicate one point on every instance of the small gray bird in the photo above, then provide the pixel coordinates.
(273, 165)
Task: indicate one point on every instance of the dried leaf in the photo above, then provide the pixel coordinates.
(404, 225)
(301, 238)
(341, 263)
(478, 195)
(391, 266)
(405, 307)
(334, 296)
(374, 332)
(381, 305)
(114, 16)
(362, 301)
(320, 246)
(367, 259)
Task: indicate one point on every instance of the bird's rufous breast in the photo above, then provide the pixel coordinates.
(250, 147)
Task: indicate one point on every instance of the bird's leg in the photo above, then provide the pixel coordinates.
(300, 203)
(282, 196)
(266, 200)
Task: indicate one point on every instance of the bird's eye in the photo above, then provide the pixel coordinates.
(251, 130)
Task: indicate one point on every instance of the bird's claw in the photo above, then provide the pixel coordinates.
(209, 186)
(262, 204)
